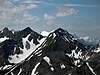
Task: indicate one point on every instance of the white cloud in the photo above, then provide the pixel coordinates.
(10, 14)
(49, 18)
(67, 12)
(4, 4)
(25, 19)
(9, 6)
(17, 19)
(4, 17)
(23, 7)
(15, 9)
(72, 5)
(80, 5)
(31, 1)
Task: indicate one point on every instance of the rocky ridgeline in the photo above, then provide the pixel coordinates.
(26, 52)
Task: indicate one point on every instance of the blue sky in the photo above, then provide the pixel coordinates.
(81, 17)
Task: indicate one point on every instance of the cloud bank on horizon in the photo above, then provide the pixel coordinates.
(77, 16)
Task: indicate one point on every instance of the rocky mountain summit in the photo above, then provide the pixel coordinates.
(27, 52)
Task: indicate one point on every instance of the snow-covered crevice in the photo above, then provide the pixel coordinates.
(37, 51)
(12, 73)
(19, 71)
(34, 70)
(47, 59)
(54, 35)
(6, 67)
(91, 69)
(66, 39)
(18, 58)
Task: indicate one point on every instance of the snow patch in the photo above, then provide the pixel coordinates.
(12, 73)
(62, 66)
(13, 32)
(75, 55)
(70, 74)
(52, 68)
(54, 35)
(76, 62)
(19, 71)
(3, 39)
(44, 33)
(26, 52)
(87, 57)
(6, 66)
(34, 70)
(47, 59)
(66, 39)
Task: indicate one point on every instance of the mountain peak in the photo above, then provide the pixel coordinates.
(27, 29)
(5, 29)
(61, 31)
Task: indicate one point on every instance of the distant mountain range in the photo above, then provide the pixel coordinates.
(27, 52)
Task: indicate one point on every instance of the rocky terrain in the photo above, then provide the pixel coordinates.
(27, 52)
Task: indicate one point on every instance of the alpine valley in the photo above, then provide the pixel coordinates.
(27, 52)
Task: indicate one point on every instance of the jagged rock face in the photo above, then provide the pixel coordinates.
(14, 46)
(6, 33)
(19, 35)
(8, 47)
(61, 40)
(59, 53)
(90, 67)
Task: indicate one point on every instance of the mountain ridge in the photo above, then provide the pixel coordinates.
(58, 53)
